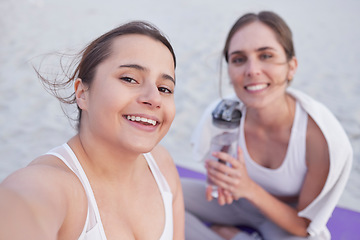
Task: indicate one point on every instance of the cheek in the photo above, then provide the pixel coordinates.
(279, 73)
(236, 81)
(171, 111)
(280, 76)
(235, 74)
(107, 101)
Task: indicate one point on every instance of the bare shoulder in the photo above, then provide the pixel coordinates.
(50, 191)
(166, 165)
(162, 155)
(169, 170)
(46, 172)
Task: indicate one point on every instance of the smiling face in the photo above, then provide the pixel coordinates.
(257, 65)
(130, 102)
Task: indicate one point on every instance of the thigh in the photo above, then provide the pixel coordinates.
(239, 213)
(195, 229)
(270, 231)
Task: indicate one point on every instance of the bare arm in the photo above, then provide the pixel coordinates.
(169, 170)
(318, 163)
(34, 203)
(236, 181)
(18, 221)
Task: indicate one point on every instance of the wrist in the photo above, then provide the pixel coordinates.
(253, 190)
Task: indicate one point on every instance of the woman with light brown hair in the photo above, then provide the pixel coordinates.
(293, 157)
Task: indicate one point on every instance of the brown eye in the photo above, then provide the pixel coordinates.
(238, 60)
(128, 79)
(266, 56)
(164, 90)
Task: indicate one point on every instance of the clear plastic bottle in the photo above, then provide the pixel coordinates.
(226, 117)
(224, 142)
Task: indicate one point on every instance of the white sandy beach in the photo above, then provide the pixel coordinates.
(326, 35)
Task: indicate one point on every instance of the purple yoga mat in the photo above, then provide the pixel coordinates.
(344, 224)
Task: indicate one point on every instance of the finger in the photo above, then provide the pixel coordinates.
(221, 197)
(225, 157)
(218, 178)
(224, 179)
(209, 196)
(228, 197)
(240, 156)
(216, 165)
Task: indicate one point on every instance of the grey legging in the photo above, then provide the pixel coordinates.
(241, 212)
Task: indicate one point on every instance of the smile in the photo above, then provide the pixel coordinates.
(143, 120)
(257, 87)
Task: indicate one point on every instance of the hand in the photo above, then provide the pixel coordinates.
(233, 182)
(224, 196)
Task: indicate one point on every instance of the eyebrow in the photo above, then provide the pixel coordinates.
(257, 50)
(265, 48)
(144, 69)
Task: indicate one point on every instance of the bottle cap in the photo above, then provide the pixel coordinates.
(226, 115)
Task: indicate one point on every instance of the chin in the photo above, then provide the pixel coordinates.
(143, 147)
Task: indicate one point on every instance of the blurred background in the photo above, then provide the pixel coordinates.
(326, 36)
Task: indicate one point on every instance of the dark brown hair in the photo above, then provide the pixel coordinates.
(275, 22)
(94, 54)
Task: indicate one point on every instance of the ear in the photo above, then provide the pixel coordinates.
(81, 93)
(293, 64)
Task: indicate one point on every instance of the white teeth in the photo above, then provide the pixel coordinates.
(141, 119)
(256, 87)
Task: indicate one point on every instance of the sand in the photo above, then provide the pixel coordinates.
(326, 36)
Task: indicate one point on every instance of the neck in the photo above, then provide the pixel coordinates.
(104, 161)
(279, 114)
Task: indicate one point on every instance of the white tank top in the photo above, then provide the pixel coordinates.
(287, 179)
(93, 229)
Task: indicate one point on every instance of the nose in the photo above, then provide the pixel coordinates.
(252, 68)
(150, 96)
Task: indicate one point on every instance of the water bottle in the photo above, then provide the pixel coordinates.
(226, 116)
